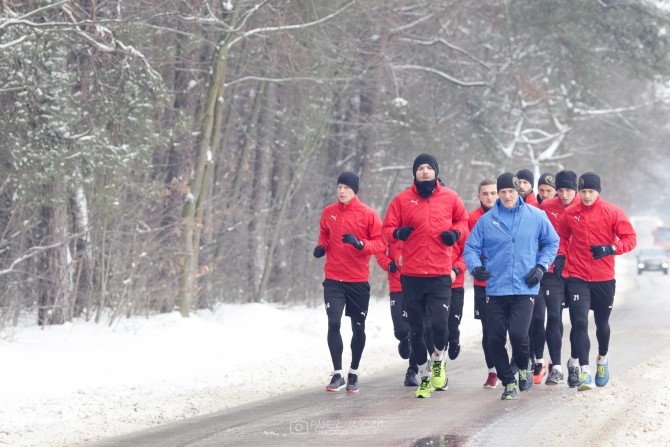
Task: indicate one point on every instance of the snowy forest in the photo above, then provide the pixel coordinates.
(162, 155)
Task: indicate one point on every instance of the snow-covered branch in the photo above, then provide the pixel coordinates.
(269, 29)
(442, 75)
(4, 46)
(36, 250)
(448, 45)
(114, 45)
(281, 80)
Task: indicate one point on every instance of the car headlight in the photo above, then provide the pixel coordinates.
(665, 265)
(640, 265)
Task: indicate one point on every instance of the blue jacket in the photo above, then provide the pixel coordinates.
(512, 242)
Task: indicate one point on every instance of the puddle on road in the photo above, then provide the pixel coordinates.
(440, 440)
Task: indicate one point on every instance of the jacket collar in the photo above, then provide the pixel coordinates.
(351, 205)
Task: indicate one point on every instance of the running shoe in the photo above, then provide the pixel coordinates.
(555, 377)
(454, 349)
(525, 380)
(410, 378)
(511, 392)
(336, 383)
(424, 388)
(585, 382)
(352, 383)
(539, 371)
(491, 381)
(573, 376)
(439, 380)
(603, 373)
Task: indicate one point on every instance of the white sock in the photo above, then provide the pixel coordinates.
(353, 371)
(601, 360)
(585, 369)
(557, 367)
(424, 370)
(573, 362)
(492, 370)
(437, 356)
(337, 371)
(540, 360)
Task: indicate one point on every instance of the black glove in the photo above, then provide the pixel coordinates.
(481, 274)
(349, 238)
(319, 251)
(600, 251)
(402, 233)
(559, 263)
(535, 275)
(393, 267)
(450, 237)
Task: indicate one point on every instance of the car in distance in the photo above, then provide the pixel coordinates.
(652, 259)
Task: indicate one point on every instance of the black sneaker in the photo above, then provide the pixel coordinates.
(573, 376)
(336, 383)
(525, 380)
(404, 348)
(454, 349)
(410, 378)
(510, 392)
(352, 383)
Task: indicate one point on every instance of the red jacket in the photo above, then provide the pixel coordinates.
(344, 262)
(458, 262)
(532, 200)
(599, 224)
(385, 258)
(472, 220)
(424, 253)
(554, 208)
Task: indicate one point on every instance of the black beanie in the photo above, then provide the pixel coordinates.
(567, 180)
(507, 180)
(425, 159)
(547, 179)
(350, 179)
(589, 180)
(525, 174)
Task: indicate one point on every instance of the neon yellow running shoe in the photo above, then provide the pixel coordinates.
(585, 382)
(424, 388)
(439, 380)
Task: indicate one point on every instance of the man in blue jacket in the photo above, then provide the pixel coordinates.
(511, 247)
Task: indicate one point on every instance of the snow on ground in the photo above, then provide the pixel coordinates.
(66, 385)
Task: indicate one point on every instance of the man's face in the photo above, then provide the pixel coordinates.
(487, 195)
(344, 193)
(509, 197)
(525, 188)
(588, 196)
(566, 195)
(425, 172)
(546, 192)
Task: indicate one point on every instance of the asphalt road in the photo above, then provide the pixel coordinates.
(387, 413)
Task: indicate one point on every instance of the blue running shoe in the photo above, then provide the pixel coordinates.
(603, 373)
(585, 382)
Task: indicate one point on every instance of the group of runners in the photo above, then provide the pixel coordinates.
(530, 256)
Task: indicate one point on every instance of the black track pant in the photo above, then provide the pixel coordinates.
(355, 298)
(480, 314)
(510, 313)
(585, 296)
(548, 303)
(400, 325)
(456, 314)
(427, 296)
